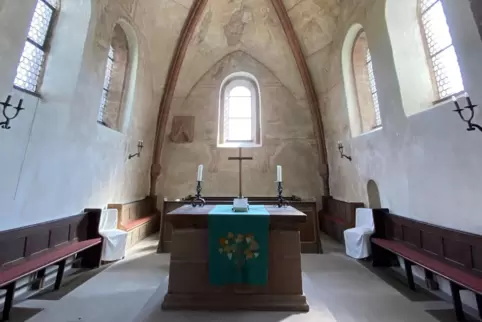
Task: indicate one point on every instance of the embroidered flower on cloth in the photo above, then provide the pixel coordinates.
(238, 245)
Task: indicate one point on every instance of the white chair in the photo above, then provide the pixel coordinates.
(357, 240)
(115, 240)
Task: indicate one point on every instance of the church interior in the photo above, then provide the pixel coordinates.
(241, 160)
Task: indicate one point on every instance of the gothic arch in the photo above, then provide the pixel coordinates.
(187, 31)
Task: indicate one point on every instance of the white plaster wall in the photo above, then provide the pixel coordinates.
(427, 166)
(56, 160)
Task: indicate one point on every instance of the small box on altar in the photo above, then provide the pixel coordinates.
(240, 205)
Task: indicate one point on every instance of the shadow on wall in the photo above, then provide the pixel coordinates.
(373, 195)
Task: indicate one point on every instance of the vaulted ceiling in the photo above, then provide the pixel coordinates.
(287, 36)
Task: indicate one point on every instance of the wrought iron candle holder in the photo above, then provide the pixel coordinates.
(198, 201)
(471, 126)
(140, 145)
(342, 155)
(282, 202)
(6, 124)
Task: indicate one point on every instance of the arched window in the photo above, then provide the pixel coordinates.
(438, 42)
(32, 61)
(114, 88)
(366, 88)
(239, 112)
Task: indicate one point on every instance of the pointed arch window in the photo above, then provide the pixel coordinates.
(32, 61)
(443, 60)
(239, 112)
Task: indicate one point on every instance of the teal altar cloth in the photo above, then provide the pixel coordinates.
(238, 245)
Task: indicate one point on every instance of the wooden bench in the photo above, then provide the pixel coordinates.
(31, 250)
(139, 219)
(454, 255)
(337, 216)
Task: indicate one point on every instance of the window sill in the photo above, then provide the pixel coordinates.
(103, 126)
(447, 99)
(239, 145)
(35, 94)
(375, 129)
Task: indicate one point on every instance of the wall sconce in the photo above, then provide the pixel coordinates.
(342, 155)
(470, 106)
(6, 124)
(140, 145)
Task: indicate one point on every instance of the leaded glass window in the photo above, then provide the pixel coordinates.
(373, 87)
(443, 58)
(32, 61)
(105, 89)
(240, 112)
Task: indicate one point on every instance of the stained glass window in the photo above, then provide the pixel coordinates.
(105, 89)
(32, 61)
(373, 87)
(445, 65)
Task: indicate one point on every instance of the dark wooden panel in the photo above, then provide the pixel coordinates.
(22, 242)
(477, 258)
(452, 246)
(431, 243)
(411, 235)
(37, 243)
(11, 250)
(457, 252)
(59, 235)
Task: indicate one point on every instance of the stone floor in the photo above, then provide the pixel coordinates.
(337, 287)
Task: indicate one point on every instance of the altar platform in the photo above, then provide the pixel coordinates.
(189, 286)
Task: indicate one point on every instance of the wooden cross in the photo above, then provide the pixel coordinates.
(240, 158)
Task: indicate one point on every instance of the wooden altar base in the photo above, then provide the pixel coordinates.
(189, 287)
(238, 302)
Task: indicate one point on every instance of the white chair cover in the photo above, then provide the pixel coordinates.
(115, 240)
(357, 240)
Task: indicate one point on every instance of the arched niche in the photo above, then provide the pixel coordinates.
(374, 201)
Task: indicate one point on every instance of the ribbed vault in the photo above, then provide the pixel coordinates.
(305, 25)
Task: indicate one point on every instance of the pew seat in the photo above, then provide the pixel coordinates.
(46, 245)
(450, 254)
(337, 216)
(138, 218)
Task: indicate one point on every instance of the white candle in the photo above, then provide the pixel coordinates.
(200, 173)
(279, 175)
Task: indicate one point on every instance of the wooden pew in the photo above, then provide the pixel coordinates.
(451, 254)
(30, 250)
(139, 219)
(337, 216)
(309, 231)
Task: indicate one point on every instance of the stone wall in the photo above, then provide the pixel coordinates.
(235, 36)
(287, 139)
(57, 159)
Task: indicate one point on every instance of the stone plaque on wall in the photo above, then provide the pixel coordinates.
(182, 130)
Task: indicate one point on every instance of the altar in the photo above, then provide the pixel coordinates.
(189, 273)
